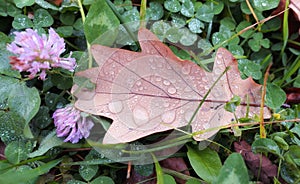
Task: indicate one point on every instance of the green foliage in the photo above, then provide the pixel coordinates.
(234, 170)
(11, 126)
(17, 151)
(206, 163)
(266, 146)
(22, 22)
(100, 19)
(290, 170)
(262, 5)
(102, 179)
(87, 172)
(25, 173)
(42, 18)
(169, 179)
(232, 104)
(48, 142)
(257, 42)
(250, 69)
(144, 170)
(21, 4)
(275, 96)
(26, 106)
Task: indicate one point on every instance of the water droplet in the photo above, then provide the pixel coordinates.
(138, 83)
(188, 115)
(158, 79)
(166, 82)
(140, 115)
(188, 89)
(186, 69)
(206, 126)
(115, 107)
(141, 88)
(173, 81)
(172, 90)
(152, 67)
(219, 56)
(204, 79)
(218, 60)
(235, 86)
(264, 4)
(166, 104)
(217, 71)
(168, 117)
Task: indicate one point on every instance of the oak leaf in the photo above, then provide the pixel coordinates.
(260, 165)
(153, 91)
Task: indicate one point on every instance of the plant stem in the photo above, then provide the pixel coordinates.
(143, 13)
(285, 28)
(132, 36)
(90, 63)
(205, 96)
(262, 130)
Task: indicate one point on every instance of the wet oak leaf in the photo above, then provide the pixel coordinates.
(260, 165)
(153, 91)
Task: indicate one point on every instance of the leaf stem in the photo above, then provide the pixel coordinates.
(132, 36)
(262, 130)
(143, 13)
(90, 63)
(150, 150)
(180, 175)
(285, 28)
(158, 169)
(206, 95)
(254, 15)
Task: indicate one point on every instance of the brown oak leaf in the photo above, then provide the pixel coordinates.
(176, 164)
(259, 164)
(153, 91)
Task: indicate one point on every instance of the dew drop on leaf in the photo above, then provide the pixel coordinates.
(115, 107)
(166, 82)
(186, 69)
(172, 90)
(188, 115)
(140, 115)
(168, 117)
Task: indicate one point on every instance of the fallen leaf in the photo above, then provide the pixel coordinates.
(292, 95)
(153, 91)
(176, 164)
(259, 164)
(295, 6)
(135, 177)
(56, 2)
(294, 15)
(2, 148)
